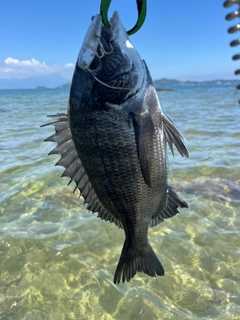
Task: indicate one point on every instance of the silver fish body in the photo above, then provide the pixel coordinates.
(112, 142)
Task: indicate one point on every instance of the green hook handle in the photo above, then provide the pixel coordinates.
(104, 12)
(142, 11)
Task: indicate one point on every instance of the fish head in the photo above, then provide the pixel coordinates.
(113, 62)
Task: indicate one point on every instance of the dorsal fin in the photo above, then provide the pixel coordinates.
(73, 166)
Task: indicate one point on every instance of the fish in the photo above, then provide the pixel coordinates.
(113, 143)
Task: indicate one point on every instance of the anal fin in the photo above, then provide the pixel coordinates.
(173, 202)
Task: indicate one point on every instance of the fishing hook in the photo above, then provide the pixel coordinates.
(103, 51)
(107, 85)
(142, 11)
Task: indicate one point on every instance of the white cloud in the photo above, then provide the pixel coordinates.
(12, 61)
(35, 64)
(69, 65)
(14, 68)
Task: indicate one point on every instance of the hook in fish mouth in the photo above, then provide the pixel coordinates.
(92, 45)
(103, 51)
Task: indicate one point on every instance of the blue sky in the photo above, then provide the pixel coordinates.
(181, 39)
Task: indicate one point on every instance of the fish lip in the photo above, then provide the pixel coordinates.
(118, 32)
(114, 20)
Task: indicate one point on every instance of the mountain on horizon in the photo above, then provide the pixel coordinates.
(52, 80)
(169, 82)
(55, 80)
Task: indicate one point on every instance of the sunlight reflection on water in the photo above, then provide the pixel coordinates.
(57, 260)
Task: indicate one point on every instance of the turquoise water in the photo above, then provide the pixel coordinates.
(57, 260)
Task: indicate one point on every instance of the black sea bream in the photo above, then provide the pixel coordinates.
(112, 143)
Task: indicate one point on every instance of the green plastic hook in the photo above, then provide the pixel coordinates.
(142, 11)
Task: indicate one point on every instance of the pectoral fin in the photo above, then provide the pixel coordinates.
(143, 128)
(173, 136)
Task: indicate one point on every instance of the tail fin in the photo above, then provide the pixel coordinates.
(132, 262)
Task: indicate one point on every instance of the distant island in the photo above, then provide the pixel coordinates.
(168, 82)
(163, 89)
(52, 80)
(41, 87)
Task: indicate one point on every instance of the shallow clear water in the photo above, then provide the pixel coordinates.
(57, 260)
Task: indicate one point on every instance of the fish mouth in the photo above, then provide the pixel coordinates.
(117, 29)
(98, 37)
(115, 18)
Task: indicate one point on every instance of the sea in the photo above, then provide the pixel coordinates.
(57, 259)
